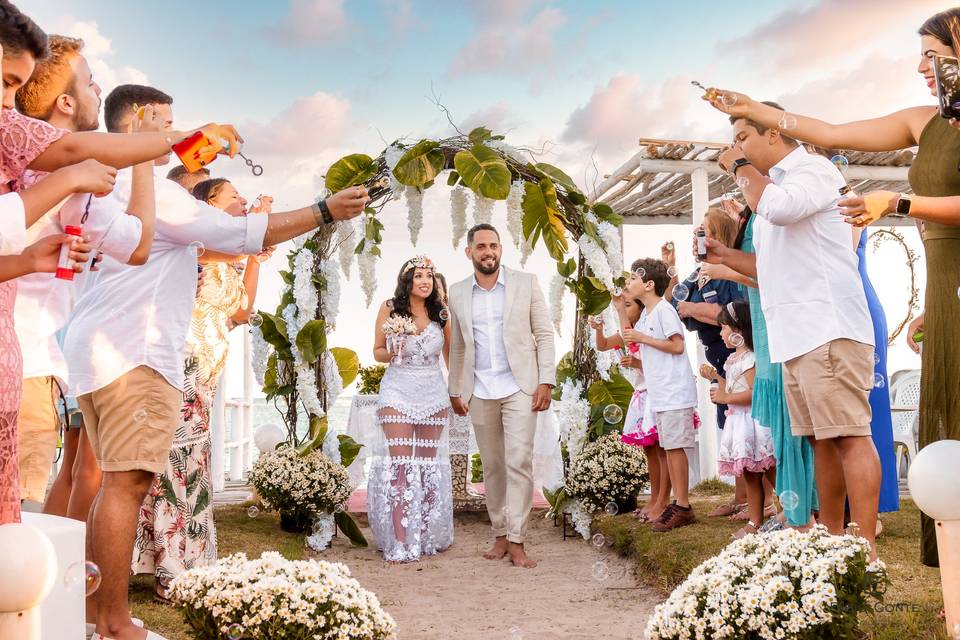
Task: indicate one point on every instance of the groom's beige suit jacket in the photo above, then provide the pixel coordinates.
(527, 334)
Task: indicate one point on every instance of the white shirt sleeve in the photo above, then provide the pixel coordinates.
(804, 191)
(669, 320)
(110, 228)
(182, 220)
(13, 229)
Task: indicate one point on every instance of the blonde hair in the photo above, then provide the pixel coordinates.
(720, 226)
(52, 77)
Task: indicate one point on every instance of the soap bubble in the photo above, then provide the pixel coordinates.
(255, 320)
(600, 571)
(598, 540)
(617, 292)
(253, 511)
(672, 272)
(612, 414)
(140, 415)
(840, 161)
(728, 99)
(878, 381)
(611, 509)
(234, 632)
(444, 314)
(641, 273)
(736, 340)
(788, 122)
(196, 248)
(743, 183)
(516, 633)
(876, 357)
(681, 292)
(789, 500)
(82, 575)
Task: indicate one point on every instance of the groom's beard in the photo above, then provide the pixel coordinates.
(487, 270)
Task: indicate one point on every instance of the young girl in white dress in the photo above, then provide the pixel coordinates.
(746, 447)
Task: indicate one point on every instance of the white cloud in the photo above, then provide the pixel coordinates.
(307, 126)
(311, 23)
(99, 53)
(498, 117)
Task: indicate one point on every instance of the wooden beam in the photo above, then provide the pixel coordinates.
(624, 170)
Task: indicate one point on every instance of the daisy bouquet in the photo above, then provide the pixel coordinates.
(397, 329)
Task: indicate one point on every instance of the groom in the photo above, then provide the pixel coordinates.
(502, 371)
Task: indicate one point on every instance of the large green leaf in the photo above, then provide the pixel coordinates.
(605, 212)
(565, 370)
(350, 170)
(484, 171)
(592, 298)
(557, 176)
(274, 331)
(420, 164)
(479, 134)
(349, 449)
(541, 217)
(318, 433)
(312, 341)
(617, 391)
(348, 363)
(348, 526)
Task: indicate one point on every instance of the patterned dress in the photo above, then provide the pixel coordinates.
(175, 531)
(22, 139)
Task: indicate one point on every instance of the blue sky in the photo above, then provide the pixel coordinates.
(308, 81)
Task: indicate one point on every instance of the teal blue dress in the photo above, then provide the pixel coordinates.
(795, 472)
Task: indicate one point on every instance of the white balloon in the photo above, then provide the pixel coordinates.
(268, 436)
(28, 567)
(934, 480)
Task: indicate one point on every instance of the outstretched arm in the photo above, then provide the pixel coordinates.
(862, 210)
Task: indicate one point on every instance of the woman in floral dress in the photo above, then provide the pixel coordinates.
(176, 529)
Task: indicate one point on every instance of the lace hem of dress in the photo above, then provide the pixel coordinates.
(435, 413)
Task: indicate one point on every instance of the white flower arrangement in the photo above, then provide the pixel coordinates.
(331, 294)
(414, 198)
(304, 289)
(580, 518)
(607, 470)
(306, 384)
(784, 584)
(261, 353)
(300, 484)
(573, 415)
(458, 213)
(272, 597)
(347, 234)
(367, 263)
(482, 209)
(391, 156)
(515, 212)
(597, 260)
(610, 235)
(324, 526)
(525, 250)
(557, 289)
(605, 359)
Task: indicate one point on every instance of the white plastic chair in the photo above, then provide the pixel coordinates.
(905, 410)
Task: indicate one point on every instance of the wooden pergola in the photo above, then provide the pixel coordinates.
(675, 182)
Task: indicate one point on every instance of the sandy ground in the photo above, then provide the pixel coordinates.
(577, 591)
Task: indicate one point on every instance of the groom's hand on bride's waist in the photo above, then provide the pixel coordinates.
(542, 397)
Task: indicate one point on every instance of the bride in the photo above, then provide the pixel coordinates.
(409, 494)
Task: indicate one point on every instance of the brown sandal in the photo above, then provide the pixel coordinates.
(727, 509)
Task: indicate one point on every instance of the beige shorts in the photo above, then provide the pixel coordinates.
(828, 390)
(675, 429)
(131, 421)
(39, 429)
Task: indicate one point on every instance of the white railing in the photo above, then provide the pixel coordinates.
(236, 417)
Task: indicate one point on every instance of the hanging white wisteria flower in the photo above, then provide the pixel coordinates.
(580, 518)
(525, 250)
(304, 289)
(509, 150)
(482, 209)
(606, 359)
(573, 415)
(347, 239)
(331, 293)
(324, 526)
(515, 212)
(611, 241)
(261, 353)
(367, 263)
(391, 156)
(596, 259)
(306, 384)
(414, 198)
(458, 213)
(557, 288)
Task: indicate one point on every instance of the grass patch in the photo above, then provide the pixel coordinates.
(236, 531)
(713, 487)
(911, 603)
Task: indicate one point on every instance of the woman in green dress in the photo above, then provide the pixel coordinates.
(934, 173)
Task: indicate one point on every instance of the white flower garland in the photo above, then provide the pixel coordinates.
(458, 213)
(414, 212)
(334, 383)
(557, 289)
(391, 156)
(611, 241)
(331, 295)
(525, 250)
(515, 212)
(296, 317)
(606, 359)
(367, 263)
(261, 353)
(482, 209)
(573, 416)
(596, 259)
(324, 527)
(580, 517)
(347, 238)
(513, 152)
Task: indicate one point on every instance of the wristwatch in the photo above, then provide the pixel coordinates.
(739, 162)
(323, 210)
(903, 204)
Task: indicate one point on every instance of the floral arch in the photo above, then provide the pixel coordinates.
(299, 369)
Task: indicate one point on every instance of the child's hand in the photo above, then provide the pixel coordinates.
(595, 322)
(718, 396)
(709, 372)
(630, 362)
(632, 335)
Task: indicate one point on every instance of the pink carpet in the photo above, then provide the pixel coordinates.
(358, 501)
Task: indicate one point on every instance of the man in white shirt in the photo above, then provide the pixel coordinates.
(818, 323)
(502, 367)
(62, 92)
(125, 348)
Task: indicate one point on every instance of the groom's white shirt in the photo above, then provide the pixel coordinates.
(493, 378)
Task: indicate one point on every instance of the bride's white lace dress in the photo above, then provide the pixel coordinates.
(409, 492)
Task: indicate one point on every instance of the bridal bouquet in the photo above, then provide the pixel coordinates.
(786, 584)
(273, 597)
(299, 486)
(397, 329)
(607, 470)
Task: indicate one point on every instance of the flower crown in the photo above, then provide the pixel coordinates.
(419, 262)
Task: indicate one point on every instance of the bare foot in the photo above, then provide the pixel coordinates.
(499, 549)
(519, 557)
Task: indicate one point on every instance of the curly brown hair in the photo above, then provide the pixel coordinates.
(52, 77)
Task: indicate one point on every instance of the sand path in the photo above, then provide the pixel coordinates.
(459, 595)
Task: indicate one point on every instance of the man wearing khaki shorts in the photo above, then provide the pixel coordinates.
(818, 322)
